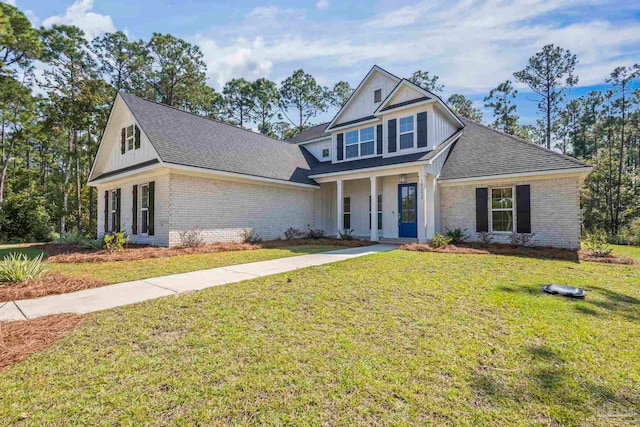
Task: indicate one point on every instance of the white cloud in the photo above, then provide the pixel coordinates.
(322, 4)
(80, 15)
(471, 45)
(10, 2)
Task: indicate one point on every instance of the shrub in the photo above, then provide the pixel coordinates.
(71, 239)
(485, 238)
(315, 234)
(18, 268)
(439, 240)
(457, 235)
(191, 238)
(521, 239)
(346, 234)
(596, 244)
(94, 244)
(115, 241)
(249, 235)
(23, 217)
(293, 233)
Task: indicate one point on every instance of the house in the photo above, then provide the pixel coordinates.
(394, 163)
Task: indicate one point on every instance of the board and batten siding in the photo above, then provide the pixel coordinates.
(555, 209)
(316, 147)
(222, 209)
(443, 127)
(363, 105)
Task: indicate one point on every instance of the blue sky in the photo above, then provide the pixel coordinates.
(472, 45)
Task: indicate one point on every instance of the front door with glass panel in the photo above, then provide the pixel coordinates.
(407, 211)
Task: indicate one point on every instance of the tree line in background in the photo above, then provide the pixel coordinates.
(51, 122)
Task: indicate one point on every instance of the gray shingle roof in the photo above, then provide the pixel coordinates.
(314, 132)
(188, 139)
(482, 151)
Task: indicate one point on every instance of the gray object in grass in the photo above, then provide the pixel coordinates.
(567, 291)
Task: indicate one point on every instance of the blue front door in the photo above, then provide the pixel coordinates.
(407, 211)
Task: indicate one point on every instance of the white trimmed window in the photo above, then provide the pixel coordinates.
(406, 132)
(502, 207)
(144, 208)
(325, 153)
(114, 210)
(131, 136)
(377, 96)
(359, 143)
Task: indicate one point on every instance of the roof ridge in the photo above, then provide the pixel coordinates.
(524, 141)
(203, 117)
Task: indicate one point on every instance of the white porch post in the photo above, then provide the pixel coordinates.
(422, 206)
(430, 194)
(374, 208)
(339, 204)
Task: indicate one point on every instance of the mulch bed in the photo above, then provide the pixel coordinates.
(503, 249)
(22, 338)
(51, 283)
(75, 254)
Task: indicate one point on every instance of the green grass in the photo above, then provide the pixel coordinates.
(400, 338)
(29, 249)
(124, 271)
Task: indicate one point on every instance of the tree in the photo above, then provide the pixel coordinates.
(568, 126)
(240, 100)
(304, 95)
(283, 130)
(549, 73)
(426, 81)
(19, 41)
(464, 107)
(205, 102)
(340, 94)
(266, 104)
(124, 63)
(177, 69)
(500, 100)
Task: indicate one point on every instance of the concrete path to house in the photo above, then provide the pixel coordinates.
(110, 296)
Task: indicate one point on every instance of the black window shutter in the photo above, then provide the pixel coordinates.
(152, 208)
(523, 208)
(482, 209)
(392, 135)
(422, 129)
(123, 140)
(137, 138)
(118, 198)
(379, 139)
(134, 222)
(106, 212)
(340, 152)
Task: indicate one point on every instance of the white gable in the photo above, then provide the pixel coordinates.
(405, 93)
(109, 157)
(362, 102)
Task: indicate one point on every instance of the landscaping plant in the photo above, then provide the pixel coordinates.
(293, 233)
(93, 244)
(346, 234)
(596, 244)
(115, 241)
(315, 234)
(71, 239)
(17, 268)
(521, 239)
(457, 235)
(439, 240)
(191, 238)
(485, 238)
(249, 235)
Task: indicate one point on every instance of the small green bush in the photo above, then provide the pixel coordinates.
(24, 218)
(17, 268)
(115, 241)
(457, 235)
(249, 235)
(596, 244)
(94, 244)
(439, 240)
(71, 239)
(346, 234)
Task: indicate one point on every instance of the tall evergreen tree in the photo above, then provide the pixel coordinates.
(240, 100)
(266, 105)
(301, 93)
(464, 107)
(426, 81)
(500, 100)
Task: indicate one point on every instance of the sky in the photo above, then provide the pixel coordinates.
(471, 45)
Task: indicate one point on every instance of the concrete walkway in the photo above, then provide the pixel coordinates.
(110, 296)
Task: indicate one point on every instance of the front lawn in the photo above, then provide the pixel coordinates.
(400, 338)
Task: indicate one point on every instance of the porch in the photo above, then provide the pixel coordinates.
(396, 205)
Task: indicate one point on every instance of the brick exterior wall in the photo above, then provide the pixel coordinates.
(555, 209)
(223, 209)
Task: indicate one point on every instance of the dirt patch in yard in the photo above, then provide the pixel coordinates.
(50, 284)
(532, 252)
(22, 338)
(76, 254)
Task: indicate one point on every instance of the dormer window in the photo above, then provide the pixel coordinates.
(359, 143)
(377, 96)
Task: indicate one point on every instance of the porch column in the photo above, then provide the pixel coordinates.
(430, 196)
(422, 206)
(374, 208)
(339, 204)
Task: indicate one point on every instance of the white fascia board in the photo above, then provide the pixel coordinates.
(544, 174)
(358, 124)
